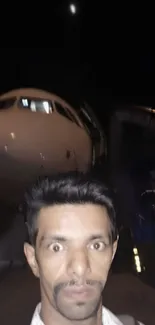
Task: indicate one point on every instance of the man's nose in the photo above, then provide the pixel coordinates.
(78, 264)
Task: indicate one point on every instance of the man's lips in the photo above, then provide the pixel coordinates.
(78, 291)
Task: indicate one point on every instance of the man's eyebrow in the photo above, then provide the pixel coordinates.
(106, 239)
(45, 238)
(97, 236)
(59, 238)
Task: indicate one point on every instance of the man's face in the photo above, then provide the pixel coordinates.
(72, 257)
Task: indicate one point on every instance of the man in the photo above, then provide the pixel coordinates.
(73, 239)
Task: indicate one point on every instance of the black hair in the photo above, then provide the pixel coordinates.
(64, 188)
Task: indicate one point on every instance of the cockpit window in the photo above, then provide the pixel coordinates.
(63, 111)
(36, 105)
(86, 120)
(7, 103)
(73, 117)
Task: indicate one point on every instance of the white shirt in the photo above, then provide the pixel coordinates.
(107, 316)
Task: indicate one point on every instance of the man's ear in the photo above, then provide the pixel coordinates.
(115, 244)
(29, 252)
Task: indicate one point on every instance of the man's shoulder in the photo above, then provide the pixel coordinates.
(36, 320)
(128, 320)
(109, 318)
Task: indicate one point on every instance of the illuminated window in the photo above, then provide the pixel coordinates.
(36, 105)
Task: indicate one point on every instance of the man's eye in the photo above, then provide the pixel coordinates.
(98, 246)
(56, 247)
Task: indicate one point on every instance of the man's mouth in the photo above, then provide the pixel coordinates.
(81, 292)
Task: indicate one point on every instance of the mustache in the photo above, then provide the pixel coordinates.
(73, 283)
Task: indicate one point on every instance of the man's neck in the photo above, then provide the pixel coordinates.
(50, 316)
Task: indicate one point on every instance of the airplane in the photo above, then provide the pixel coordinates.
(40, 133)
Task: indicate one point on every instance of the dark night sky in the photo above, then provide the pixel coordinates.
(100, 51)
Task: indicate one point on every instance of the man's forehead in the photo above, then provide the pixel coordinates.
(74, 221)
(79, 214)
(73, 208)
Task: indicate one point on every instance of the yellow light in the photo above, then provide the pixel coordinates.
(135, 250)
(138, 268)
(138, 264)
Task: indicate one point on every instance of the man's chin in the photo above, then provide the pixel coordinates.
(79, 309)
(77, 314)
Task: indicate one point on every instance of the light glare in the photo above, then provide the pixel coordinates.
(72, 9)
